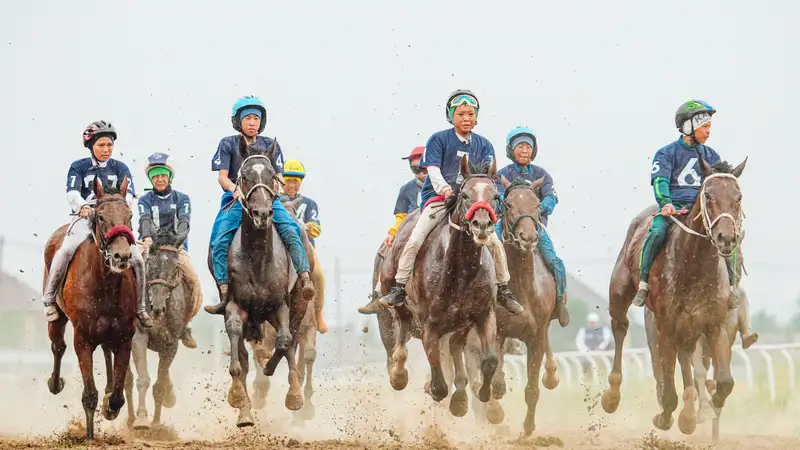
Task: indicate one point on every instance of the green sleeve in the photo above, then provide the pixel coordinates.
(661, 190)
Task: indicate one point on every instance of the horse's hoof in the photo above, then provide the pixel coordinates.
(711, 387)
(610, 401)
(308, 412)
(245, 419)
(108, 414)
(438, 393)
(458, 403)
(294, 401)
(499, 389)
(259, 399)
(141, 423)
(749, 340)
(283, 342)
(484, 393)
(55, 388)
(550, 381)
(169, 399)
(663, 424)
(237, 396)
(399, 379)
(687, 419)
(494, 412)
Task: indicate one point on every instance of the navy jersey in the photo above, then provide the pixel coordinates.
(678, 163)
(546, 193)
(82, 173)
(408, 198)
(444, 150)
(307, 210)
(593, 337)
(228, 157)
(164, 210)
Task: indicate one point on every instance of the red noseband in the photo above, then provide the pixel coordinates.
(481, 205)
(120, 230)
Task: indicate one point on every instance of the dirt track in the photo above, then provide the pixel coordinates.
(352, 414)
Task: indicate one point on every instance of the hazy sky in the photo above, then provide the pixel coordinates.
(351, 86)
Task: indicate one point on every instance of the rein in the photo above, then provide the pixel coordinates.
(245, 197)
(473, 208)
(513, 224)
(170, 284)
(115, 231)
(708, 224)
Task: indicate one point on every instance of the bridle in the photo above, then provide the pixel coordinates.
(708, 224)
(511, 225)
(102, 239)
(483, 204)
(170, 284)
(243, 199)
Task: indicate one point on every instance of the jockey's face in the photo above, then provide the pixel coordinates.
(523, 153)
(103, 149)
(464, 119)
(160, 182)
(419, 174)
(250, 125)
(291, 186)
(702, 134)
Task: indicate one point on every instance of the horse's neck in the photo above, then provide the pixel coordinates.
(462, 249)
(256, 240)
(521, 269)
(694, 252)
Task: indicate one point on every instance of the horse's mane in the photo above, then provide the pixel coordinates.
(479, 167)
(246, 150)
(474, 168)
(723, 167)
(110, 188)
(164, 238)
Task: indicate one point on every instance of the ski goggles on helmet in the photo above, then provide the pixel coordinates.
(463, 99)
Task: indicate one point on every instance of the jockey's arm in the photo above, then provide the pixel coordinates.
(660, 174)
(661, 191)
(579, 341)
(549, 199)
(437, 180)
(225, 182)
(398, 218)
(74, 183)
(184, 215)
(147, 228)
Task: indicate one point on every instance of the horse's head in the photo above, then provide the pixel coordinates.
(257, 184)
(521, 202)
(112, 224)
(163, 269)
(477, 199)
(721, 198)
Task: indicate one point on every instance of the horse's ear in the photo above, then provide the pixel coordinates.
(705, 168)
(99, 192)
(737, 171)
(493, 169)
(538, 183)
(179, 238)
(504, 181)
(123, 188)
(464, 167)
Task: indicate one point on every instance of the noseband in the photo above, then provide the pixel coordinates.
(170, 284)
(243, 200)
(483, 204)
(115, 231)
(512, 224)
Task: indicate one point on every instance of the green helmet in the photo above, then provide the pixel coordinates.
(690, 109)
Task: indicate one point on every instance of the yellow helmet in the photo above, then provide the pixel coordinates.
(294, 169)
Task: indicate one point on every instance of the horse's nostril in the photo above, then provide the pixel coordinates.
(475, 223)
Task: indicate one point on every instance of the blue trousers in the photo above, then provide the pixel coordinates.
(554, 264)
(226, 224)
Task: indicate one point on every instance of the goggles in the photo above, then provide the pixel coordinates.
(463, 99)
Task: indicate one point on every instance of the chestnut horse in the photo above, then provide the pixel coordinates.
(534, 286)
(453, 287)
(99, 298)
(689, 292)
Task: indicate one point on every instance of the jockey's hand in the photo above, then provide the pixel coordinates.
(388, 241)
(85, 212)
(668, 210)
(448, 191)
(148, 241)
(237, 193)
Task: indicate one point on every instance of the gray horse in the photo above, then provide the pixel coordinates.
(169, 308)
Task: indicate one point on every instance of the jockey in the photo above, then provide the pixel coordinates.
(676, 181)
(408, 199)
(99, 137)
(593, 337)
(307, 213)
(164, 208)
(248, 117)
(441, 157)
(521, 148)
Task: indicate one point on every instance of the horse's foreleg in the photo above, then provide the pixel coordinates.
(700, 375)
(237, 395)
(487, 332)
(84, 351)
(139, 353)
(245, 418)
(129, 396)
(309, 357)
(651, 332)
(536, 349)
(283, 339)
(687, 419)
(721, 357)
(458, 402)
(163, 391)
(294, 396)
(398, 376)
(58, 346)
(430, 341)
(109, 368)
(472, 357)
(669, 397)
(499, 378)
(618, 307)
(113, 402)
(550, 377)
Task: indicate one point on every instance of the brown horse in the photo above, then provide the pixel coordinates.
(99, 298)
(520, 228)
(689, 292)
(453, 287)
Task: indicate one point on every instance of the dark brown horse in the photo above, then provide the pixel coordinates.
(453, 287)
(99, 298)
(262, 285)
(534, 286)
(689, 293)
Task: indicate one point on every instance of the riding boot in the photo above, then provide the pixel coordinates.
(505, 298)
(219, 308)
(187, 339)
(141, 288)
(306, 286)
(55, 278)
(560, 311)
(730, 264)
(373, 307)
(395, 297)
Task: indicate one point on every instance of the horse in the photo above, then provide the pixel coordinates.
(453, 287)
(262, 285)
(689, 292)
(171, 310)
(736, 322)
(534, 286)
(99, 299)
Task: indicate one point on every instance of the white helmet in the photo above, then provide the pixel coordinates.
(593, 317)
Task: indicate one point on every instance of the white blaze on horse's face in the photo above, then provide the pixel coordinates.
(256, 190)
(721, 208)
(480, 222)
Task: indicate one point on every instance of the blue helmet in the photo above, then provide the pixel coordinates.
(520, 131)
(244, 103)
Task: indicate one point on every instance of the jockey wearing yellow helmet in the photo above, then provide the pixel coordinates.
(306, 210)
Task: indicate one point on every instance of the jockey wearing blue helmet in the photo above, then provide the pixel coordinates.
(521, 148)
(248, 117)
